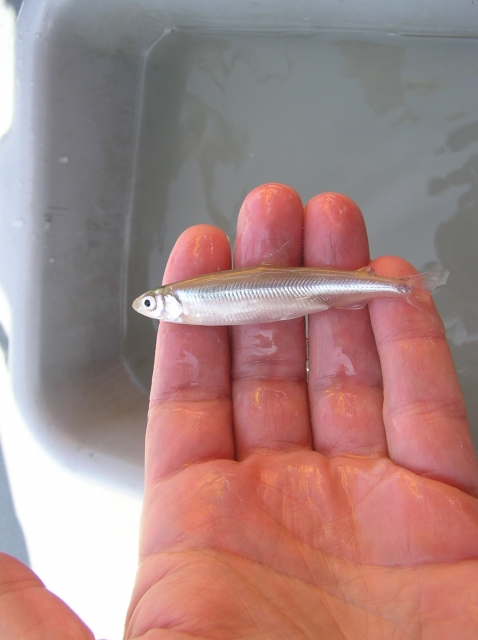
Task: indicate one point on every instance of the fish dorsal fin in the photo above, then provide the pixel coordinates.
(368, 270)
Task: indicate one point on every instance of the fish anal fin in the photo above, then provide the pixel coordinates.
(354, 305)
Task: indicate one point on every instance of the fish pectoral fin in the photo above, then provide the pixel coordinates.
(278, 257)
(354, 305)
(368, 270)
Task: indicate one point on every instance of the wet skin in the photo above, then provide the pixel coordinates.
(339, 507)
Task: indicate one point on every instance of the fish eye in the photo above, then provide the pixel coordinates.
(149, 303)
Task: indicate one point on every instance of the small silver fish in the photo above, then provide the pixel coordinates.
(268, 294)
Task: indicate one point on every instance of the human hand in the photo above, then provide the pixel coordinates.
(342, 507)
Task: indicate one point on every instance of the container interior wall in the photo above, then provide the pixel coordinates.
(84, 119)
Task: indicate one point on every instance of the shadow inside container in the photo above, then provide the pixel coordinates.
(12, 540)
(15, 4)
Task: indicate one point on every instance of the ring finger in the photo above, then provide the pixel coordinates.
(345, 382)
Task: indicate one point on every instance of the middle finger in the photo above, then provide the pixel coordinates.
(269, 374)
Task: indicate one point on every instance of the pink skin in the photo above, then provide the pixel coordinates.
(342, 507)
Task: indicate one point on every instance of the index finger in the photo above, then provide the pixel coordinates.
(190, 416)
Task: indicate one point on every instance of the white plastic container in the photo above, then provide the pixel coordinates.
(136, 119)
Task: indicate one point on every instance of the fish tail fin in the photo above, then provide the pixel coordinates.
(421, 285)
(429, 280)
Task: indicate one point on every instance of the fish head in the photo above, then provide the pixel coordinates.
(150, 304)
(160, 304)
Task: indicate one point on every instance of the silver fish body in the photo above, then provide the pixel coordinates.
(268, 294)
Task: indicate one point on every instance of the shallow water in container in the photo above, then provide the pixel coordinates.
(390, 121)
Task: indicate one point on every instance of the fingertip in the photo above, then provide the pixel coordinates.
(334, 232)
(265, 195)
(13, 571)
(331, 201)
(201, 248)
(270, 218)
(392, 267)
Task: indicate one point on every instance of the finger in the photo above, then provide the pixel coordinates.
(345, 386)
(28, 610)
(190, 416)
(424, 411)
(269, 360)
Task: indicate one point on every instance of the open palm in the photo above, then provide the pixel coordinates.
(334, 505)
(338, 506)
